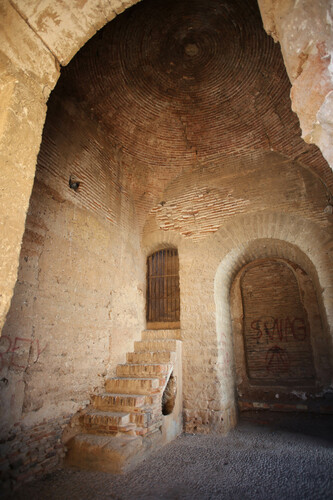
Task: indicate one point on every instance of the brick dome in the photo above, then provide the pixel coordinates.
(177, 83)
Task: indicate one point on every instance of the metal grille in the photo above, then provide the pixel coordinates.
(163, 286)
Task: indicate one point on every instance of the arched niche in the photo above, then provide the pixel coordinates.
(280, 344)
(228, 366)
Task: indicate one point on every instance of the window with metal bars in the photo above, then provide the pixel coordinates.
(163, 301)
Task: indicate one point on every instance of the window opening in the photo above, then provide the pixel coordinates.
(163, 298)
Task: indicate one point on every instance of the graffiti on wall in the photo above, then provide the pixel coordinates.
(277, 360)
(12, 351)
(278, 346)
(270, 329)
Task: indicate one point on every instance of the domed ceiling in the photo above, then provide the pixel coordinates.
(178, 84)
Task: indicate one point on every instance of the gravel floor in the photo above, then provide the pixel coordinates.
(261, 459)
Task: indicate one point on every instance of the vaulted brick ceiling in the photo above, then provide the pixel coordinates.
(181, 84)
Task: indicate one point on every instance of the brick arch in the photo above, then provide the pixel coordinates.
(154, 239)
(262, 358)
(269, 235)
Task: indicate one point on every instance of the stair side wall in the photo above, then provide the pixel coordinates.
(173, 424)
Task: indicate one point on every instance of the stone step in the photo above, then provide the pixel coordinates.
(118, 402)
(111, 417)
(132, 385)
(115, 454)
(155, 345)
(124, 402)
(143, 370)
(106, 421)
(150, 357)
(160, 334)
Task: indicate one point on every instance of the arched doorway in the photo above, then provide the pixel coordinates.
(163, 297)
(278, 336)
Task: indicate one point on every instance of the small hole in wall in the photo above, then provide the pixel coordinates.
(169, 396)
(73, 183)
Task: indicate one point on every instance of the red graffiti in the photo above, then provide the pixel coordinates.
(15, 348)
(39, 350)
(279, 329)
(11, 348)
(277, 360)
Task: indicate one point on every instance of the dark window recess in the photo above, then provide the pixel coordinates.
(163, 286)
(169, 396)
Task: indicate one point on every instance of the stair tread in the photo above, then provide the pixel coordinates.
(102, 439)
(157, 340)
(144, 364)
(164, 334)
(119, 395)
(151, 352)
(162, 330)
(107, 413)
(133, 378)
(152, 344)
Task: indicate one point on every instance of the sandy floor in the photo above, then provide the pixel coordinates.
(261, 459)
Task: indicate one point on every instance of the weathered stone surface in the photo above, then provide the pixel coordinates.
(24, 48)
(21, 121)
(65, 27)
(324, 133)
(107, 454)
(304, 30)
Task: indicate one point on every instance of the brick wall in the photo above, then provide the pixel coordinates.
(29, 453)
(276, 330)
(282, 361)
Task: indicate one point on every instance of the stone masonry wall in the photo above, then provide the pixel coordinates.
(79, 299)
(221, 219)
(31, 452)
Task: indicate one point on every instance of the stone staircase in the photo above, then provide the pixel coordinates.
(122, 425)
